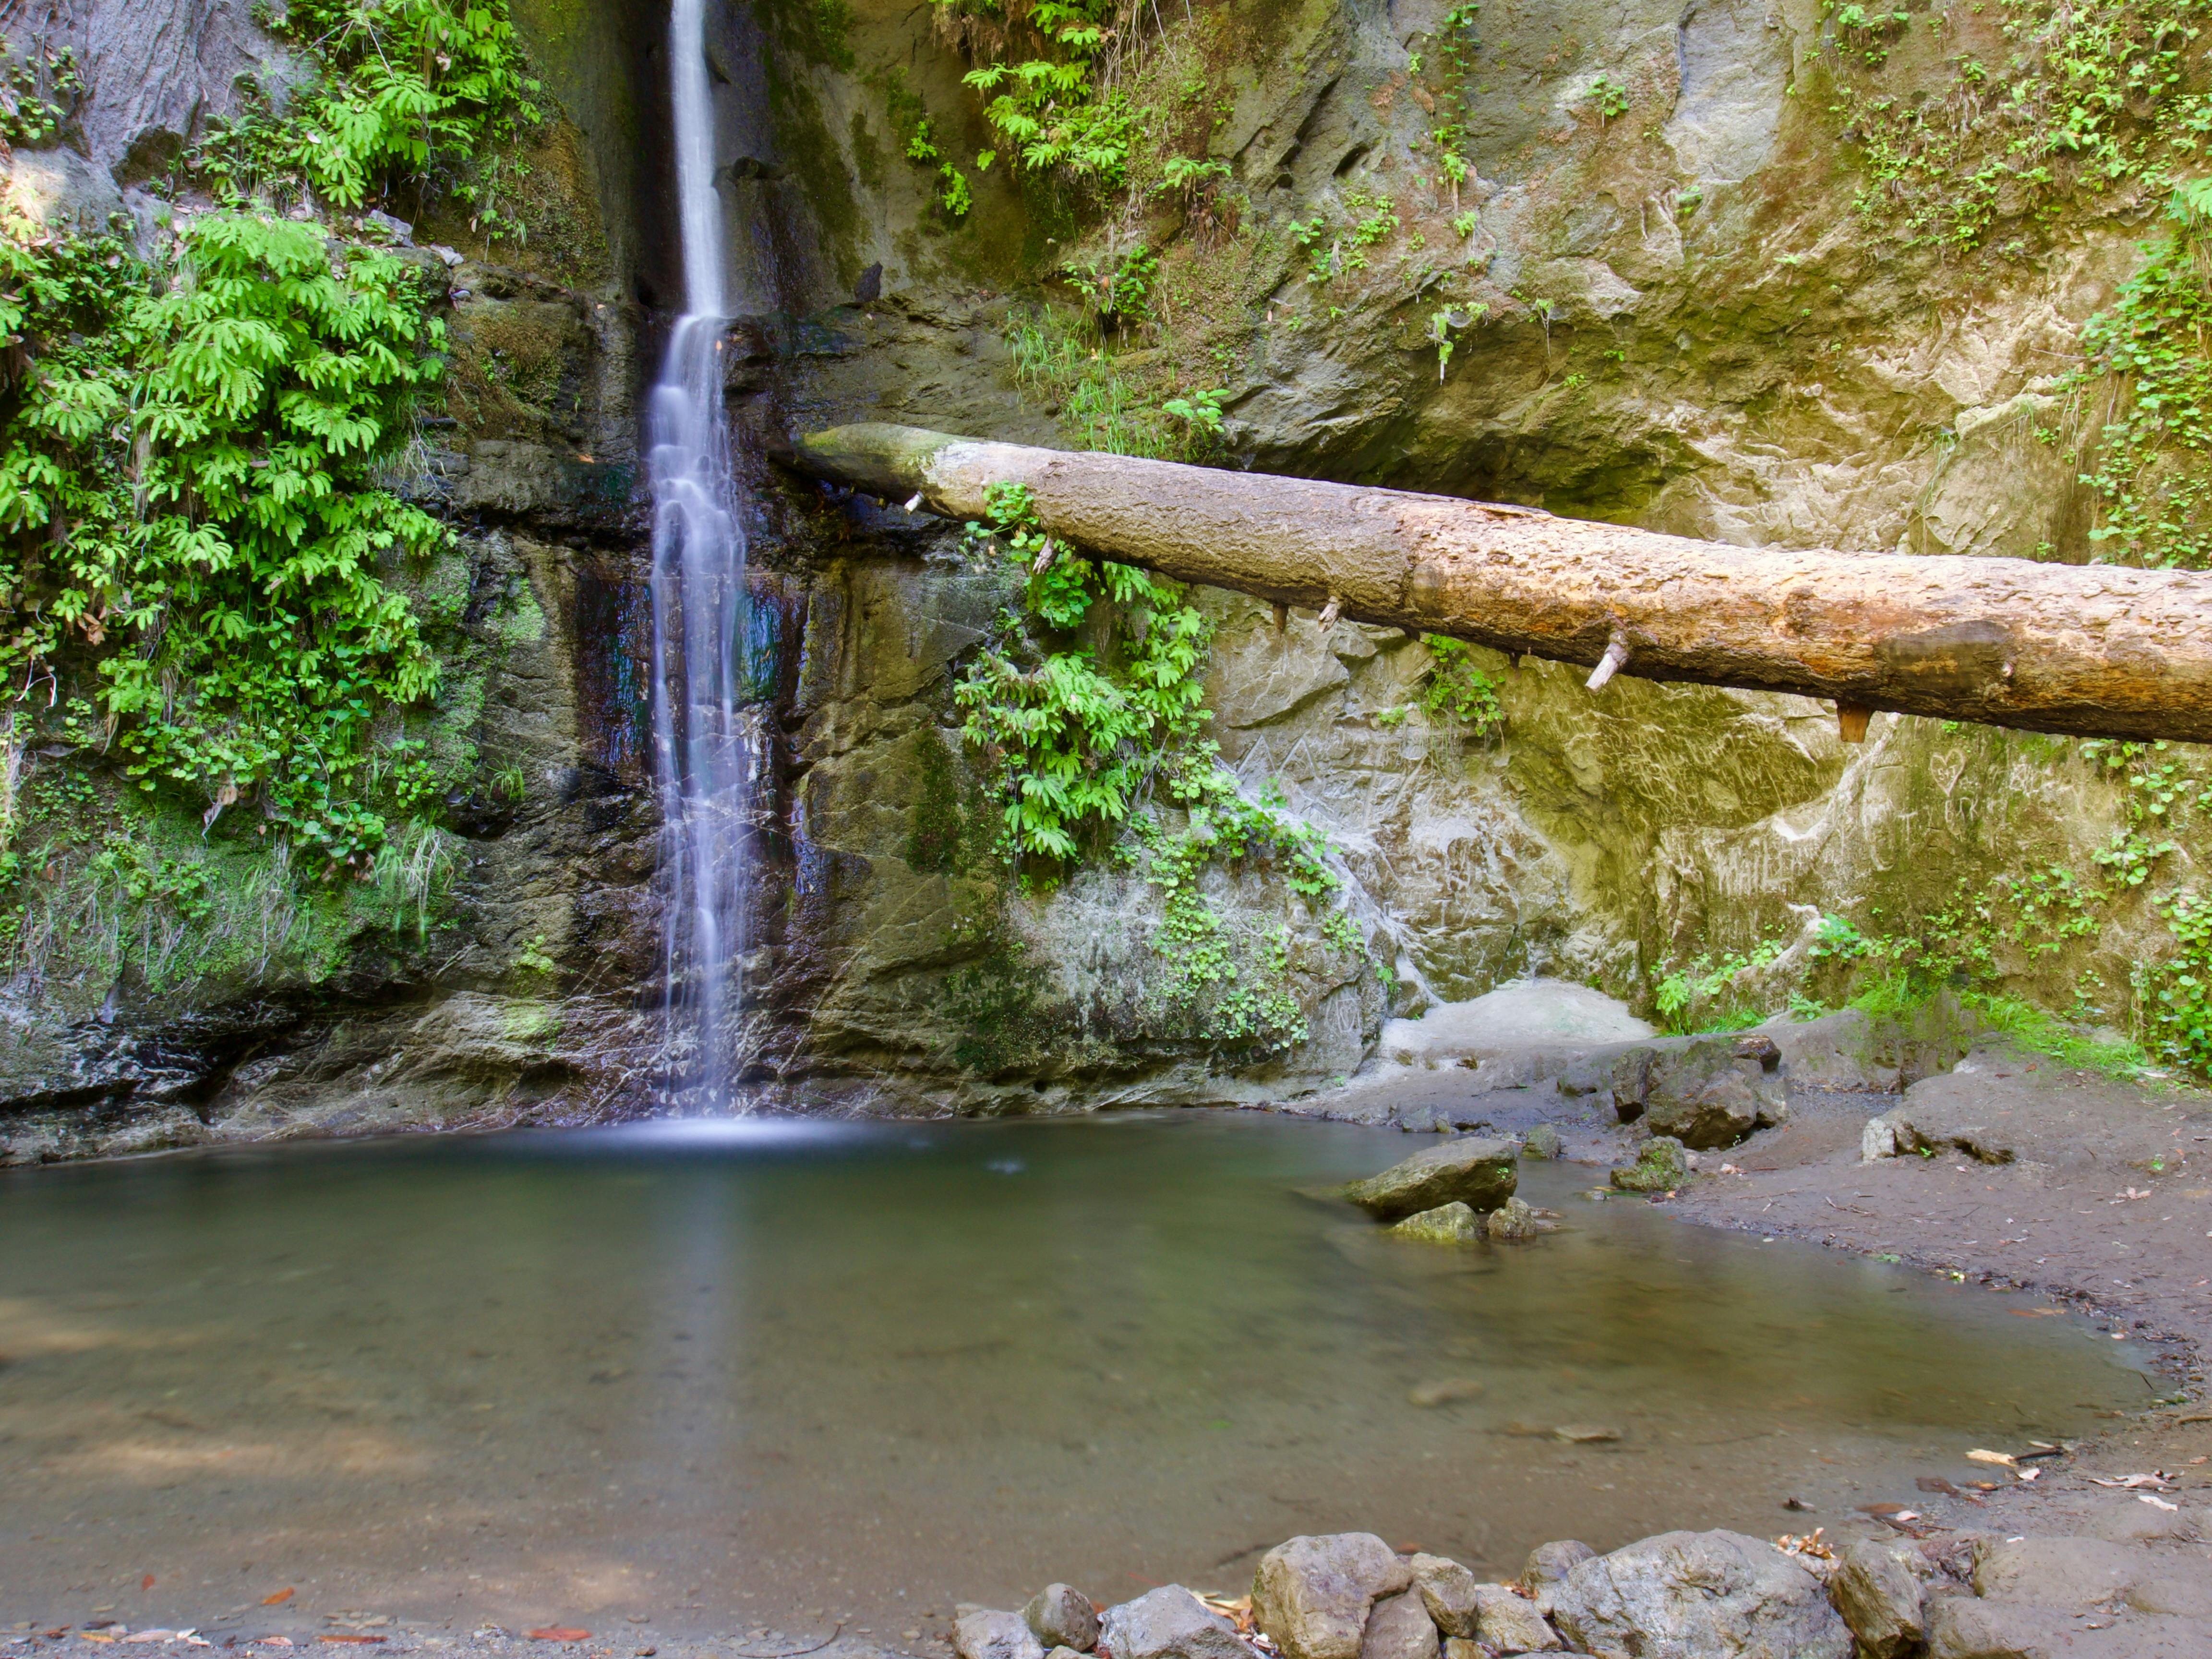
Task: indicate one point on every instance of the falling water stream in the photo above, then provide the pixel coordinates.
(703, 761)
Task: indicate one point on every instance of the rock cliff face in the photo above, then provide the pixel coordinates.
(1664, 308)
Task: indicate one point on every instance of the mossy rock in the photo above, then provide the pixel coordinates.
(1659, 1167)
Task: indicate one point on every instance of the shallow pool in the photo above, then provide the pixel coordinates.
(711, 1377)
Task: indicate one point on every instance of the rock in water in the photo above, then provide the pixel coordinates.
(1447, 1591)
(1513, 1220)
(1698, 1593)
(1448, 1224)
(1509, 1623)
(1542, 1141)
(1062, 1618)
(985, 1633)
(1399, 1627)
(1475, 1171)
(1169, 1623)
(1311, 1595)
(1658, 1167)
(1877, 1588)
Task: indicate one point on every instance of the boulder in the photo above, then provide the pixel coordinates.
(1542, 1142)
(1447, 1591)
(1475, 1171)
(1507, 1622)
(1448, 1224)
(1715, 1091)
(1704, 1594)
(1550, 1563)
(1399, 1627)
(1659, 1167)
(1877, 1588)
(1169, 1622)
(1311, 1595)
(986, 1633)
(1547, 1566)
(1062, 1618)
(1513, 1220)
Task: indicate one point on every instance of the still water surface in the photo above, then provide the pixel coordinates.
(710, 1377)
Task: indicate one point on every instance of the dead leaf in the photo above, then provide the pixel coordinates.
(559, 1633)
(280, 1598)
(147, 1583)
(350, 1641)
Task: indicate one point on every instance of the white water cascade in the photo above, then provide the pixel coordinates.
(704, 755)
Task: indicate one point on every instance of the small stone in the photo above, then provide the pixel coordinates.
(1508, 1622)
(1585, 1434)
(988, 1633)
(1448, 1224)
(1398, 1627)
(1658, 1167)
(1169, 1622)
(1877, 1140)
(1476, 1170)
(1062, 1618)
(1447, 1591)
(1311, 1594)
(1513, 1221)
(1542, 1142)
(1443, 1391)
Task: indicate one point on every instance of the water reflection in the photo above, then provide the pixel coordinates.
(718, 1372)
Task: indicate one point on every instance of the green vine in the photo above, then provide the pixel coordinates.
(193, 522)
(1045, 70)
(2088, 100)
(424, 95)
(1087, 702)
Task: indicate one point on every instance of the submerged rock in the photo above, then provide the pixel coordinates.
(1717, 1593)
(1311, 1595)
(1169, 1623)
(1514, 1220)
(1061, 1617)
(1448, 1591)
(988, 1633)
(1475, 1171)
(1399, 1627)
(1659, 1167)
(1448, 1224)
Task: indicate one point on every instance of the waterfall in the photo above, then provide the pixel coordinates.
(703, 755)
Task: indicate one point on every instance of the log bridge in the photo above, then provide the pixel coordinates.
(2087, 650)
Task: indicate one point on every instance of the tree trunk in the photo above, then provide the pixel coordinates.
(2090, 650)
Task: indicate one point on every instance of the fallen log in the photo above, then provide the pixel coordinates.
(2089, 650)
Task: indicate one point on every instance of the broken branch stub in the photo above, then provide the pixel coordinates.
(2094, 651)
